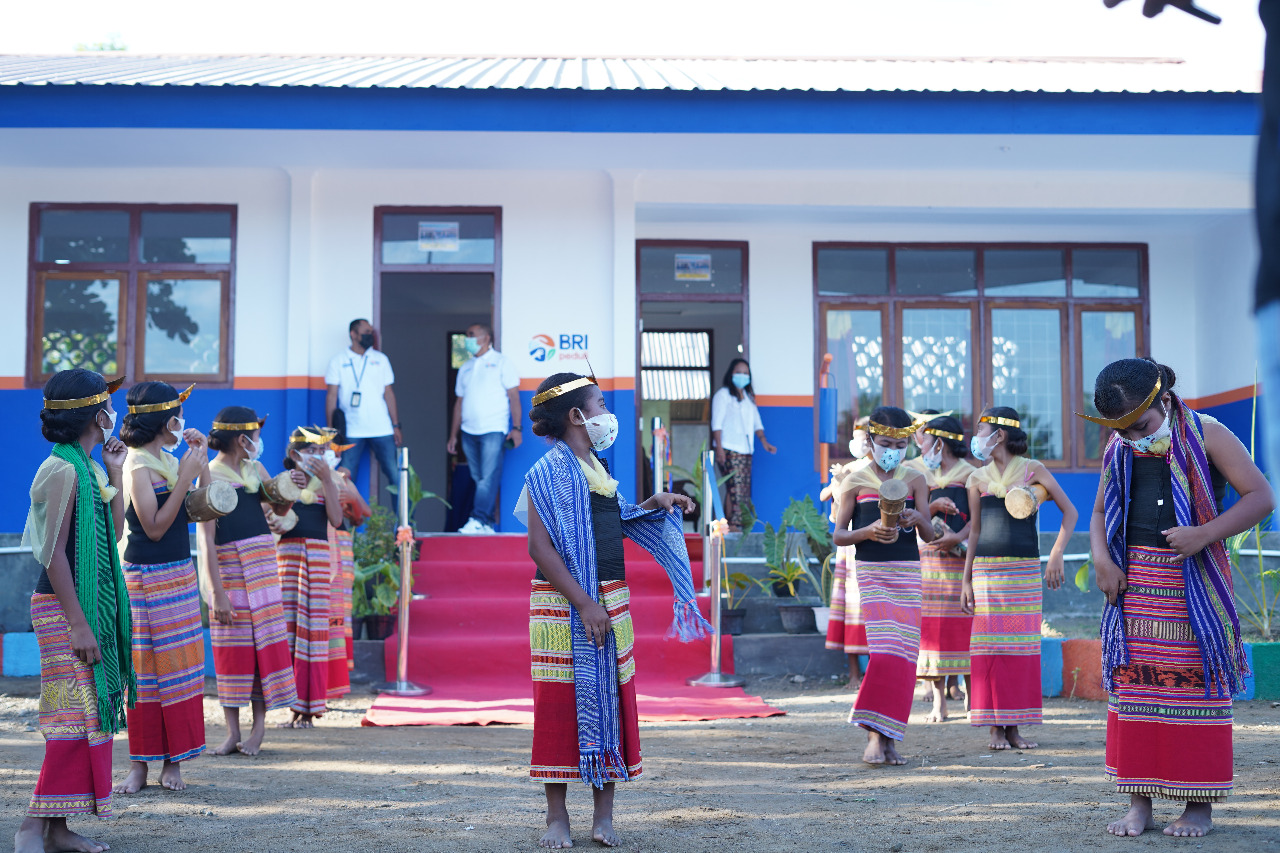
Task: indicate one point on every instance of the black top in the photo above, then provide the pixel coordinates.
(606, 526)
(244, 522)
(960, 497)
(904, 549)
(43, 586)
(1151, 483)
(313, 522)
(173, 546)
(1002, 535)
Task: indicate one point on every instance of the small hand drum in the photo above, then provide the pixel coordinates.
(941, 529)
(1024, 501)
(281, 489)
(211, 502)
(893, 500)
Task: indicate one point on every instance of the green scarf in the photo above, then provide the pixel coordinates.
(101, 591)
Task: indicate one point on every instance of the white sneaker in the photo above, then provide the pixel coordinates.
(487, 529)
(472, 526)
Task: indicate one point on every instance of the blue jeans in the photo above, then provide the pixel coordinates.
(1268, 328)
(484, 456)
(384, 450)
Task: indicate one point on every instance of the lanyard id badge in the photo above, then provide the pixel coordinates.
(355, 399)
(359, 378)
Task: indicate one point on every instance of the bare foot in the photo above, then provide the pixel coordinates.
(1137, 821)
(229, 745)
(305, 721)
(939, 712)
(61, 838)
(881, 750)
(891, 755)
(1195, 822)
(998, 740)
(135, 781)
(1011, 734)
(602, 832)
(171, 777)
(30, 836)
(953, 691)
(253, 745)
(557, 834)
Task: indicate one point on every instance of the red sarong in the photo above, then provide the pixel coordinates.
(306, 595)
(1004, 649)
(846, 632)
(890, 593)
(944, 627)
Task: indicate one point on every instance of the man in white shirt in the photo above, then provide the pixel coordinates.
(487, 412)
(359, 383)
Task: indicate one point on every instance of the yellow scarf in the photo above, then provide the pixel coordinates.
(959, 474)
(166, 465)
(991, 480)
(598, 479)
(864, 477)
(312, 492)
(247, 476)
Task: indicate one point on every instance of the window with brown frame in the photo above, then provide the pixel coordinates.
(965, 326)
(144, 290)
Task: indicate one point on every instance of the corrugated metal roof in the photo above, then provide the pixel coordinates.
(964, 74)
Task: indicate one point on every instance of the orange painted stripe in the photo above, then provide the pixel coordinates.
(12, 383)
(1221, 399)
(278, 383)
(802, 400)
(618, 383)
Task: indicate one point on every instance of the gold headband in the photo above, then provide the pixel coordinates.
(992, 419)
(942, 433)
(891, 432)
(163, 407)
(1127, 420)
(250, 426)
(83, 402)
(571, 385)
(324, 436)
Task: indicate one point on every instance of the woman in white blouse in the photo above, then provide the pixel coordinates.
(735, 424)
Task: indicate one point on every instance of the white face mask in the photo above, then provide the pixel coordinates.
(257, 449)
(331, 459)
(933, 456)
(982, 447)
(1153, 443)
(602, 430)
(888, 458)
(177, 434)
(106, 433)
(858, 445)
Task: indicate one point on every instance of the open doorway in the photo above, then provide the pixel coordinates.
(423, 319)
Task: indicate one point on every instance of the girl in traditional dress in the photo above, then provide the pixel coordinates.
(309, 576)
(735, 426)
(1002, 588)
(585, 724)
(238, 557)
(887, 568)
(354, 512)
(167, 724)
(944, 626)
(847, 632)
(1171, 649)
(79, 610)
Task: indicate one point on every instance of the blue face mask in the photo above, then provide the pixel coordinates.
(979, 447)
(888, 458)
(741, 380)
(472, 345)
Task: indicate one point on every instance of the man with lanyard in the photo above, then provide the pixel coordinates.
(359, 384)
(487, 412)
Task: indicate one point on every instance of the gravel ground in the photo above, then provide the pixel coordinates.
(784, 783)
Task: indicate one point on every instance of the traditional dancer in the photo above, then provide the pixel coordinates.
(1171, 649)
(944, 626)
(80, 611)
(585, 724)
(846, 631)
(887, 567)
(167, 724)
(251, 657)
(309, 570)
(1002, 580)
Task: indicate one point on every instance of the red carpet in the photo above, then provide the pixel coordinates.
(469, 641)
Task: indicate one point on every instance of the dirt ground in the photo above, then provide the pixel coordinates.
(784, 783)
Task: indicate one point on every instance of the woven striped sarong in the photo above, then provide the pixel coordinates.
(846, 632)
(555, 711)
(944, 627)
(75, 777)
(1004, 649)
(167, 724)
(305, 593)
(1165, 738)
(890, 593)
(251, 655)
(347, 560)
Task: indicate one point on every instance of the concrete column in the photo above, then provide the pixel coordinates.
(625, 328)
(300, 318)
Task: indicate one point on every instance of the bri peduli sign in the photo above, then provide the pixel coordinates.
(565, 347)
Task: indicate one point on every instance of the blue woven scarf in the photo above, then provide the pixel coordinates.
(558, 489)
(1206, 576)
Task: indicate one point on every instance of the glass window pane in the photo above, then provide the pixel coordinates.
(83, 236)
(936, 360)
(180, 237)
(184, 326)
(1024, 272)
(675, 349)
(930, 272)
(81, 325)
(690, 269)
(857, 368)
(1026, 373)
(1105, 336)
(859, 272)
(438, 238)
(1105, 272)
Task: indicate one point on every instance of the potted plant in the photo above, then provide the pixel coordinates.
(690, 483)
(736, 587)
(789, 565)
(375, 596)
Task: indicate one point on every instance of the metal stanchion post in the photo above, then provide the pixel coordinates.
(659, 456)
(402, 686)
(711, 562)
